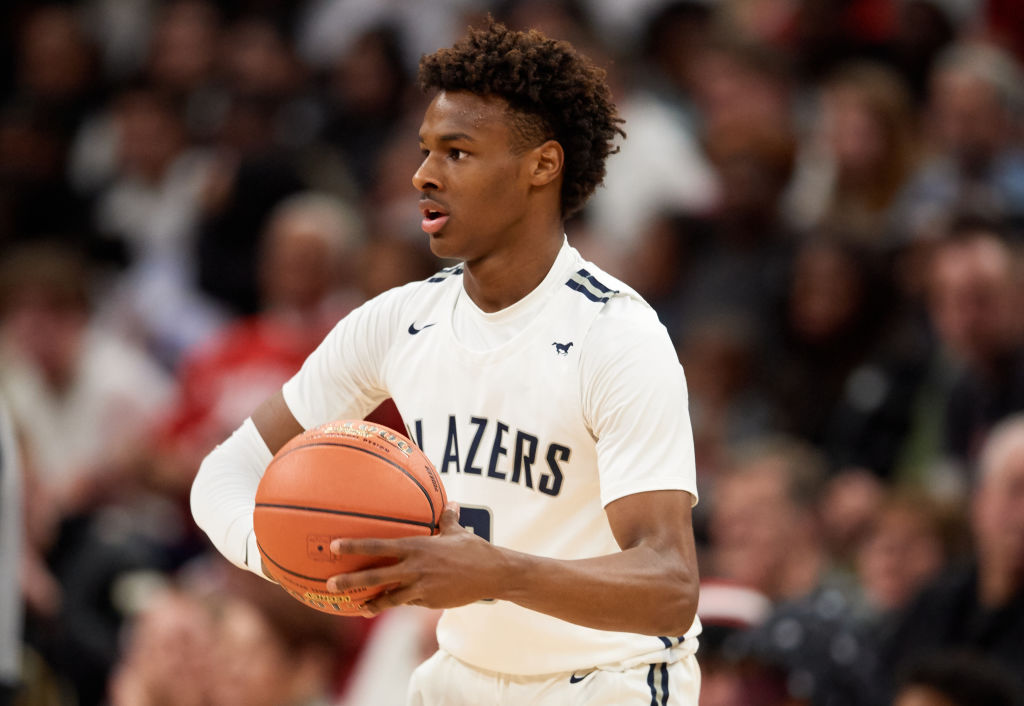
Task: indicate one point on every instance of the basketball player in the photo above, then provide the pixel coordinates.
(546, 393)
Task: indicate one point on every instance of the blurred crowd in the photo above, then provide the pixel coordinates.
(823, 199)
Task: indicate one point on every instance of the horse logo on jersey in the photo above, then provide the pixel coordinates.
(562, 348)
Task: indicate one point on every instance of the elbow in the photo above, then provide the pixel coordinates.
(195, 498)
(678, 611)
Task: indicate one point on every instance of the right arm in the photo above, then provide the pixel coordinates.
(224, 490)
(341, 379)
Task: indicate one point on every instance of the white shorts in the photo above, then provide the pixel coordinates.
(443, 680)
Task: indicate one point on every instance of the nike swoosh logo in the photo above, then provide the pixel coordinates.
(576, 680)
(413, 330)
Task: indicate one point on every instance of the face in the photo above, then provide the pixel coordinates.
(899, 555)
(855, 132)
(998, 511)
(972, 298)
(473, 187)
(921, 696)
(254, 668)
(824, 294)
(968, 120)
(754, 526)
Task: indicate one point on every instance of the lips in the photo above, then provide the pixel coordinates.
(435, 216)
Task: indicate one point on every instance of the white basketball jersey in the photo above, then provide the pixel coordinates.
(531, 437)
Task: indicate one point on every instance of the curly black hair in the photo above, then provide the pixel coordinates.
(553, 91)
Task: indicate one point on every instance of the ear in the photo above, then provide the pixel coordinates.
(546, 163)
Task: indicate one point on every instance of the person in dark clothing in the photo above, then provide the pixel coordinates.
(979, 606)
(973, 307)
(956, 679)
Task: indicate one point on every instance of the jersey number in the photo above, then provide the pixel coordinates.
(476, 519)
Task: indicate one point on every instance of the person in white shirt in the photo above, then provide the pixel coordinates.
(546, 393)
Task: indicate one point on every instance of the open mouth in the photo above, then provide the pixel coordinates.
(434, 218)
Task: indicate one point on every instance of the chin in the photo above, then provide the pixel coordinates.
(442, 248)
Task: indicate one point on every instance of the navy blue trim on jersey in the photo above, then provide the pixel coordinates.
(446, 273)
(664, 684)
(597, 285)
(587, 285)
(661, 682)
(671, 642)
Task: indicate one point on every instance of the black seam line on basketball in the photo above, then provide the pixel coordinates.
(411, 477)
(287, 570)
(348, 513)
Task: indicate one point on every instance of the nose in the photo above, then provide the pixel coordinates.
(425, 179)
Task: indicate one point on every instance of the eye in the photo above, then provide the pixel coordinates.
(456, 154)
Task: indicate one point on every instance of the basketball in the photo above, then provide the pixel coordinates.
(349, 479)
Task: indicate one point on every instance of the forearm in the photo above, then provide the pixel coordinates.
(640, 589)
(224, 491)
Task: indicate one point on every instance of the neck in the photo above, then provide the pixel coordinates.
(503, 278)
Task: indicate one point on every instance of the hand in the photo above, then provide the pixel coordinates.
(452, 568)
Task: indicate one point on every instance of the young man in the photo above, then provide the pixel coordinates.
(546, 392)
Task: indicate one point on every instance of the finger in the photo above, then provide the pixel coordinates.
(367, 578)
(392, 598)
(367, 547)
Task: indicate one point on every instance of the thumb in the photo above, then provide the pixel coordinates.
(449, 517)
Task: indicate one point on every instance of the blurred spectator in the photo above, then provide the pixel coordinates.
(35, 198)
(328, 28)
(10, 560)
(182, 57)
(148, 214)
(733, 262)
(956, 678)
(766, 534)
(923, 29)
(764, 528)
(719, 356)
(271, 650)
(169, 655)
(660, 168)
(980, 605)
(253, 172)
(973, 121)
(309, 258)
(82, 425)
(910, 538)
(224, 638)
(836, 377)
(974, 304)
(85, 403)
(367, 89)
(56, 64)
(868, 150)
(178, 43)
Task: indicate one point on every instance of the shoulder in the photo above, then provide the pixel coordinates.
(413, 294)
(623, 313)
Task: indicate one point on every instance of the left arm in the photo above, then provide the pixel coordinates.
(649, 587)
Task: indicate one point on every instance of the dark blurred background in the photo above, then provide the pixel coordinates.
(823, 199)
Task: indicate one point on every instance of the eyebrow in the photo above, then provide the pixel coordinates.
(452, 137)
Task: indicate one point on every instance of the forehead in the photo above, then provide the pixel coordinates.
(464, 113)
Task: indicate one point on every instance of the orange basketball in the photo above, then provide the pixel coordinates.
(347, 478)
